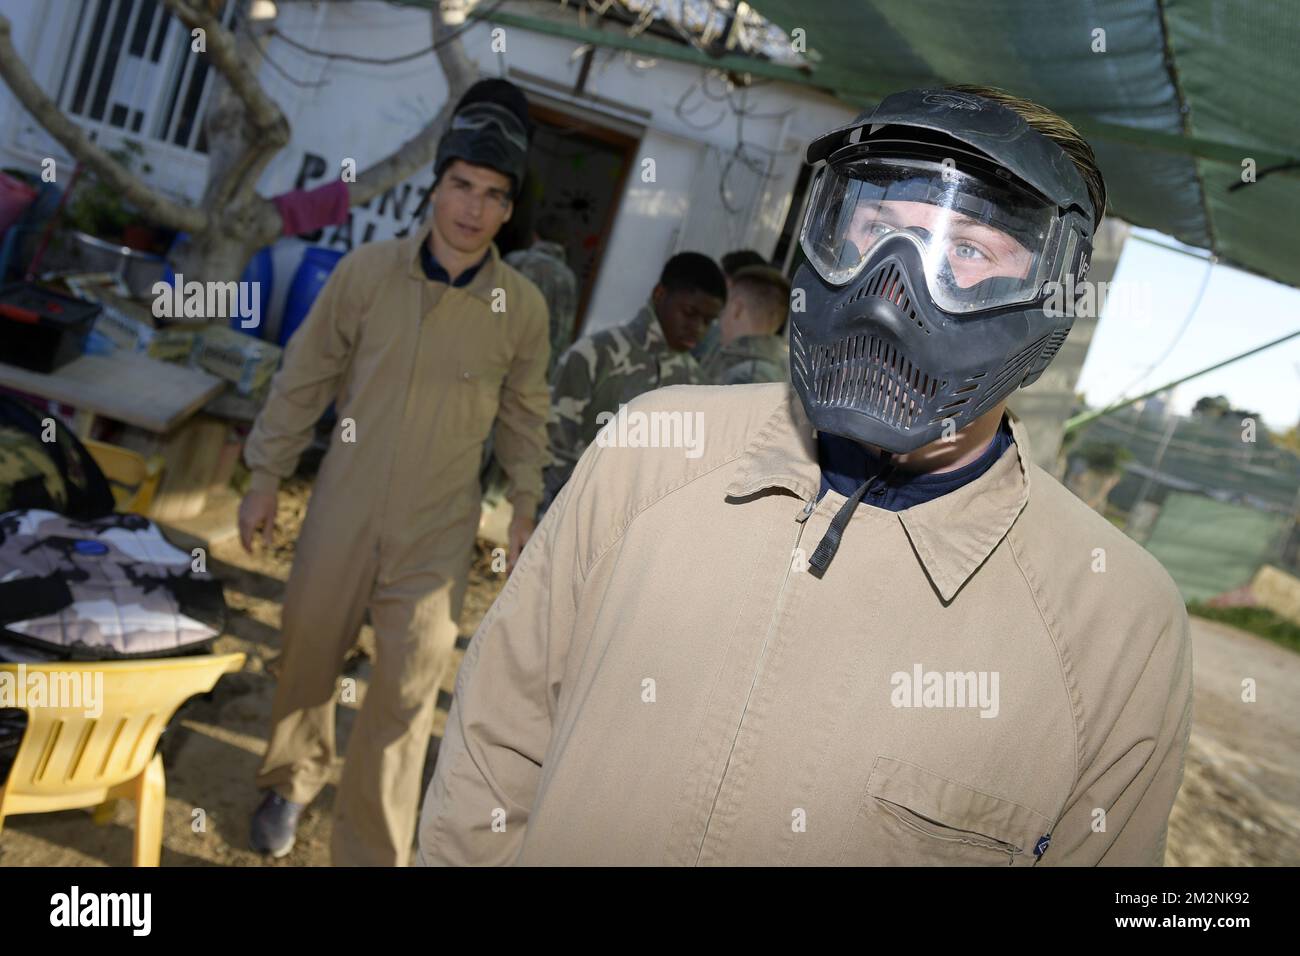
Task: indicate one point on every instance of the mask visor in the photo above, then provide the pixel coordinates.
(985, 242)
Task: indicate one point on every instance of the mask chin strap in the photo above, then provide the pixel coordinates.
(830, 542)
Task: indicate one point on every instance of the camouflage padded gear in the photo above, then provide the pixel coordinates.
(544, 264)
(77, 487)
(105, 588)
(598, 373)
(749, 359)
(27, 473)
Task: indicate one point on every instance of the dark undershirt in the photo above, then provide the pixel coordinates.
(846, 465)
(434, 272)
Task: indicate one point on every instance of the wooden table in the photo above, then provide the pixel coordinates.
(160, 400)
(156, 396)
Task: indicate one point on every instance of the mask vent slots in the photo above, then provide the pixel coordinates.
(798, 369)
(867, 374)
(969, 392)
(887, 284)
(1012, 371)
(1054, 342)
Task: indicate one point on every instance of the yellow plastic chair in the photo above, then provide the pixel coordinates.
(68, 760)
(132, 477)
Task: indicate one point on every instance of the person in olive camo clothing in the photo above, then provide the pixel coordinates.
(544, 263)
(611, 367)
(732, 263)
(750, 350)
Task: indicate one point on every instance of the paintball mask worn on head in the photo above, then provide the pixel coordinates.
(936, 228)
(486, 134)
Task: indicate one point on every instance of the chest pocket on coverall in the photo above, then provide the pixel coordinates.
(479, 379)
(911, 816)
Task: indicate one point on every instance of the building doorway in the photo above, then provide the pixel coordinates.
(577, 170)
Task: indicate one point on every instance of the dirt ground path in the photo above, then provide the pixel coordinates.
(1240, 800)
(1239, 805)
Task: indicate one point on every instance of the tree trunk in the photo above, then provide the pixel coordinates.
(245, 131)
(220, 252)
(212, 257)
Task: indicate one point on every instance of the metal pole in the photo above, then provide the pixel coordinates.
(1155, 468)
(1085, 417)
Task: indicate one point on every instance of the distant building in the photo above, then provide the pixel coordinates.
(1156, 408)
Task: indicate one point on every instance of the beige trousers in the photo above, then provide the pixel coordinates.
(413, 616)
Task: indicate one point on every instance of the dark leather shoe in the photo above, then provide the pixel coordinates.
(275, 821)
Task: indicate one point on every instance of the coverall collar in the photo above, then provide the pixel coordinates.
(481, 286)
(951, 535)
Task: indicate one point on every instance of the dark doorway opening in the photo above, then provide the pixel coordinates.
(577, 170)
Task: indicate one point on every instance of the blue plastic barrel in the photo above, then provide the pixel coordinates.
(315, 268)
(259, 269)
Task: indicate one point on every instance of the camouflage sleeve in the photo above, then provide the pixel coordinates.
(559, 286)
(565, 312)
(571, 393)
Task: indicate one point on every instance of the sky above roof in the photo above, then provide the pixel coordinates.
(1154, 291)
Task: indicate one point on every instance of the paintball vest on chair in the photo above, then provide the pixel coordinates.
(100, 589)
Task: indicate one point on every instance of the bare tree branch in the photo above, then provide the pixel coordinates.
(220, 43)
(245, 130)
(404, 162)
(421, 148)
(152, 204)
(236, 182)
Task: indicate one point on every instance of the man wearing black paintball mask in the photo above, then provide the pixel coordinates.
(857, 624)
(933, 235)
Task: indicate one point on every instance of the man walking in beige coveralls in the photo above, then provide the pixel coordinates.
(422, 342)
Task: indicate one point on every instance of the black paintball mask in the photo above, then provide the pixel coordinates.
(937, 230)
(486, 134)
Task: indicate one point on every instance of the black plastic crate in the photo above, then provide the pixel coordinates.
(41, 329)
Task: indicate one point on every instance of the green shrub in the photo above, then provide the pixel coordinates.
(1257, 620)
(1104, 457)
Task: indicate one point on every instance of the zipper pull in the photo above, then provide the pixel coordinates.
(802, 516)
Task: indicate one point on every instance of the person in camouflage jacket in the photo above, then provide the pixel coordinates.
(545, 263)
(750, 350)
(732, 262)
(611, 367)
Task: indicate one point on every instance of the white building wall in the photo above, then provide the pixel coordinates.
(339, 109)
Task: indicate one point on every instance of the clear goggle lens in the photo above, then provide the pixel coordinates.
(984, 244)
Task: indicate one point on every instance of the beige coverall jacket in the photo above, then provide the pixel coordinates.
(662, 681)
(418, 371)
